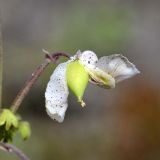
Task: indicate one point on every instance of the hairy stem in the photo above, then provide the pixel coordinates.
(12, 149)
(35, 75)
(1, 60)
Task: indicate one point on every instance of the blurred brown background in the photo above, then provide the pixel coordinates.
(123, 123)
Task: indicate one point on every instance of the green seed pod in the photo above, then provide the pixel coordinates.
(77, 79)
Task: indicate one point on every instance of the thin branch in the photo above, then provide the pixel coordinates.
(35, 75)
(12, 149)
(1, 60)
(28, 85)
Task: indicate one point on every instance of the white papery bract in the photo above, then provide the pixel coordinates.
(108, 70)
(117, 66)
(105, 72)
(57, 93)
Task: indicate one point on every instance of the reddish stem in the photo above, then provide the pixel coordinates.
(10, 148)
(35, 75)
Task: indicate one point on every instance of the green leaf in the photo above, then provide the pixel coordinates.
(77, 79)
(10, 124)
(2, 132)
(24, 130)
(2, 119)
(8, 118)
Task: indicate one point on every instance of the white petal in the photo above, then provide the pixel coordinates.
(117, 66)
(88, 59)
(57, 93)
(56, 112)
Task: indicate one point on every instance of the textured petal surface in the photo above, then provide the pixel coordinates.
(57, 93)
(117, 66)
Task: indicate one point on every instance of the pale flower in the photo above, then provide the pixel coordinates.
(105, 72)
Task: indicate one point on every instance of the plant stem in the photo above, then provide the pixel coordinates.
(35, 75)
(11, 148)
(1, 60)
(28, 85)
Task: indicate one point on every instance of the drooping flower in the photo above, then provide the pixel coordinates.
(75, 74)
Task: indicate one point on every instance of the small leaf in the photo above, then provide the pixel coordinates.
(8, 118)
(2, 132)
(2, 119)
(24, 130)
(77, 79)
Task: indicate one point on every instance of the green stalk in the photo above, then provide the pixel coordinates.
(1, 61)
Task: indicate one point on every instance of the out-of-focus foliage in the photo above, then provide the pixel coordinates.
(8, 119)
(24, 129)
(10, 124)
